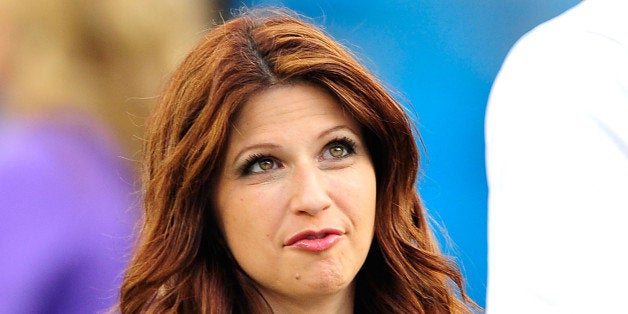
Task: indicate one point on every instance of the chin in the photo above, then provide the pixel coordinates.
(327, 282)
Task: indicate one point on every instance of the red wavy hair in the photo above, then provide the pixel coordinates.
(182, 263)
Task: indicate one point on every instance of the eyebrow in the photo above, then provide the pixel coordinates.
(268, 145)
(337, 128)
(254, 147)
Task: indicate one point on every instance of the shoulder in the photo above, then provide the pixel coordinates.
(585, 33)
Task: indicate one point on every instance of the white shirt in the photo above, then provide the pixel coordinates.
(557, 167)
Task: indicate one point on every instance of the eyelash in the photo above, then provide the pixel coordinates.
(252, 160)
(344, 141)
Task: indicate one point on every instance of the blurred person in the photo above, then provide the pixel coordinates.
(76, 78)
(279, 177)
(557, 163)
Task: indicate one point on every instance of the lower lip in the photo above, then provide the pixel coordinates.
(317, 245)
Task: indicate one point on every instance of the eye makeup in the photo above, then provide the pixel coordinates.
(258, 163)
(335, 150)
(344, 146)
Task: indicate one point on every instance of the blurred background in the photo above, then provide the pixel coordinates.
(77, 78)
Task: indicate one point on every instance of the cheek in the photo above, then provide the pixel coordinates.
(368, 200)
(248, 217)
(239, 230)
(356, 193)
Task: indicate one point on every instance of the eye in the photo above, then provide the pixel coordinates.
(339, 148)
(338, 151)
(259, 164)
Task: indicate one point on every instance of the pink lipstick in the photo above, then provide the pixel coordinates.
(315, 241)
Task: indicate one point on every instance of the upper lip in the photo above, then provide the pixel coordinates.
(304, 234)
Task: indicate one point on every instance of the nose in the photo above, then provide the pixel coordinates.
(309, 193)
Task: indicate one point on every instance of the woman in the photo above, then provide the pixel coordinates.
(279, 177)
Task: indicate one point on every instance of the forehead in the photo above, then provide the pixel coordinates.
(285, 107)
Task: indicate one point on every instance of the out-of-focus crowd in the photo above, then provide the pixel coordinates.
(77, 78)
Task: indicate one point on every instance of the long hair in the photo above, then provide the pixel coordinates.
(182, 263)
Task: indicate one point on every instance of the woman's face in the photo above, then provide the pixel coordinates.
(296, 195)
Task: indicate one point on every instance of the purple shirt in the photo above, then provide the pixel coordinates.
(67, 210)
